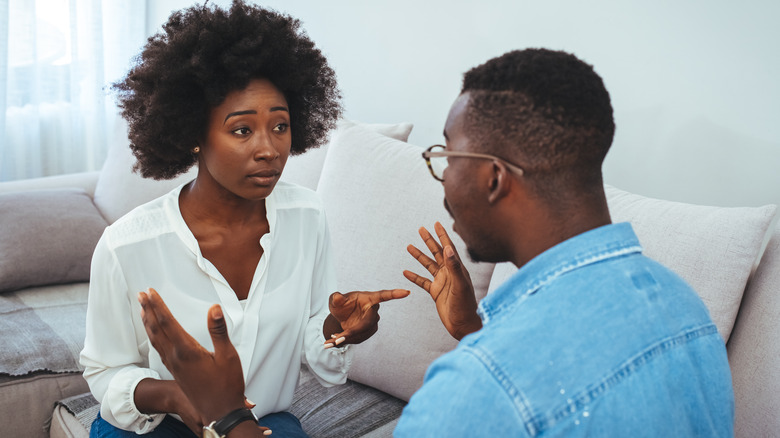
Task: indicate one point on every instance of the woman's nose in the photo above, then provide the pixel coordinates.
(265, 149)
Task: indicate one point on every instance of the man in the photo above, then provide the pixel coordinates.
(589, 337)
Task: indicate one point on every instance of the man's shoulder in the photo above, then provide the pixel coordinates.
(603, 333)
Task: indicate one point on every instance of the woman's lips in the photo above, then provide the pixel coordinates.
(264, 177)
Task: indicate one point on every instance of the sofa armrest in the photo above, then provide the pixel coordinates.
(84, 180)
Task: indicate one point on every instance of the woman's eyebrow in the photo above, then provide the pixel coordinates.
(238, 113)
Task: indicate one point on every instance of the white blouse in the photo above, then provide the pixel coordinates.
(278, 327)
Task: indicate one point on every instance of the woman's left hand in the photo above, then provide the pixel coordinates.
(354, 316)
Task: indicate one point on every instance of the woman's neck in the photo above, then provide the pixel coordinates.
(205, 201)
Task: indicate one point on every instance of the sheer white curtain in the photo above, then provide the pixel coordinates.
(57, 61)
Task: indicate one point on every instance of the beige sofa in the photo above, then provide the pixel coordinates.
(377, 193)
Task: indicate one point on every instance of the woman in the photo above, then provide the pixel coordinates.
(236, 92)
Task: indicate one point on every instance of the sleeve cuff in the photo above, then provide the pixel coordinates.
(329, 365)
(118, 405)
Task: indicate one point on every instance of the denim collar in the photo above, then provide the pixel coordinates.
(608, 241)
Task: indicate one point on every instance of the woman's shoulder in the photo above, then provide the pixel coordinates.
(291, 195)
(146, 220)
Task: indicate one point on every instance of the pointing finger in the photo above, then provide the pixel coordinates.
(387, 295)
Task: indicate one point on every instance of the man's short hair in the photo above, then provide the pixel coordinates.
(546, 111)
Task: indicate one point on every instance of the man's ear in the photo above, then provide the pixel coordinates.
(500, 182)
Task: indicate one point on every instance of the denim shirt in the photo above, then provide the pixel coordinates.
(590, 338)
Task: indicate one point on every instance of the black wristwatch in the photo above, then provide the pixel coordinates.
(221, 427)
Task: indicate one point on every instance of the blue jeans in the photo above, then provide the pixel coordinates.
(283, 425)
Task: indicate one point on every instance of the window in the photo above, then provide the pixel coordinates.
(58, 60)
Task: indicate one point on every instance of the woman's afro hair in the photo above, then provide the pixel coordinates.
(202, 54)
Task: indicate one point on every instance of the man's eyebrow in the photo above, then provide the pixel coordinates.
(445, 135)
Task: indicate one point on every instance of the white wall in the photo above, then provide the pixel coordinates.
(694, 83)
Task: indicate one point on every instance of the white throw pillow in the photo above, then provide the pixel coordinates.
(714, 249)
(119, 189)
(377, 193)
(305, 169)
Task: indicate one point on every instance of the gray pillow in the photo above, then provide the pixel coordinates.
(47, 237)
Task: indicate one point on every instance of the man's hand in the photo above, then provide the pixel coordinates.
(213, 382)
(451, 287)
(354, 317)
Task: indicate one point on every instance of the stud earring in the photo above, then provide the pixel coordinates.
(196, 149)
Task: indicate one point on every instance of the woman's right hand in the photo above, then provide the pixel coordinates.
(212, 382)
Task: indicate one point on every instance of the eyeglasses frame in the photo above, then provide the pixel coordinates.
(428, 154)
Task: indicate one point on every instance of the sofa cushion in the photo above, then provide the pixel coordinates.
(26, 402)
(714, 249)
(377, 192)
(47, 237)
(305, 169)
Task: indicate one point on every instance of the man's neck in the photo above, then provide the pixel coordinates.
(551, 226)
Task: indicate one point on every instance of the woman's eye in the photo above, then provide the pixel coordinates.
(282, 127)
(242, 131)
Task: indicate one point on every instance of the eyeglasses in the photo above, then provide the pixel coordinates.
(436, 159)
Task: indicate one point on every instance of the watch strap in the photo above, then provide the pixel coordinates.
(233, 419)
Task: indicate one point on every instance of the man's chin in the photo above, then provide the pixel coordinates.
(475, 256)
(482, 257)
